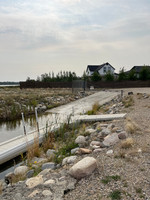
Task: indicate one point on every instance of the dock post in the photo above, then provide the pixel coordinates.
(24, 127)
(37, 121)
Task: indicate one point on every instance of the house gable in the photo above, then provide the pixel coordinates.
(101, 69)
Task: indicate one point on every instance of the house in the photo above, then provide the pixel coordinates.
(137, 70)
(101, 69)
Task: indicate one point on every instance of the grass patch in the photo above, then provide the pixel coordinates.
(115, 195)
(108, 179)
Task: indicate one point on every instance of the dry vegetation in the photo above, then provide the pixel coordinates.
(13, 101)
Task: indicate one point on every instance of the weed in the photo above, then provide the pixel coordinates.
(48, 141)
(138, 190)
(1, 187)
(94, 110)
(128, 101)
(106, 180)
(121, 154)
(109, 178)
(64, 151)
(131, 127)
(33, 150)
(37, 170)
(116, 194)
(128, 143)
(116, 177)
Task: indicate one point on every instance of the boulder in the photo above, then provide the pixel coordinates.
(111, 139)
(21, 170)
(32, 182)
(69, 160)
(83, 168)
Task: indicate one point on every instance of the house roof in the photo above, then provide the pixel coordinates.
(139, 68)
(93, 68)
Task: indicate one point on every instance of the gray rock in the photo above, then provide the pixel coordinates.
(18, 196)
(50, 153)
(111, 139)
(81, 141)
(106, 131)
(30, 173)
(69, 160)
(44, 172)
(47, 193)
(122, 135)
(97, 143)
(73, 151)
(49, 165)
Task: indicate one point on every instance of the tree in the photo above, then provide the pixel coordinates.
(132, 75)
(96, 76)
(122, 75)
(144, 73)
(109, 76)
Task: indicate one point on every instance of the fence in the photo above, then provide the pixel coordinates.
(88, 84)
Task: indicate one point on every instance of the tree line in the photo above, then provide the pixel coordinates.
(68, 76)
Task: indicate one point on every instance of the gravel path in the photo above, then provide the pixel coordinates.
(133, 170)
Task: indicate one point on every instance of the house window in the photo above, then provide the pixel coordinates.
(104, 69)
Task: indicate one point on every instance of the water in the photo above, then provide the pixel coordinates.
(9, 130)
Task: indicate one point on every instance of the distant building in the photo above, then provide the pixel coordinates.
(101, 69)
(137, 70)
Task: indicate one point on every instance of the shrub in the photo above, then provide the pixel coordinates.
(96, 76)
(109, 76)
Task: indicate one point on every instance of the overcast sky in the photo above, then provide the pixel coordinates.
(40, 36)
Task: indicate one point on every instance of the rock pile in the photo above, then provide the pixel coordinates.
(54, 181)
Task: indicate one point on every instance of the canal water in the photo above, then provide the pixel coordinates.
(9, 130)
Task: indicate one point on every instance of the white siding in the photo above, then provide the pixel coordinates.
(107, 69)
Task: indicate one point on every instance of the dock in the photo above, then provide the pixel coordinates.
(18, 145)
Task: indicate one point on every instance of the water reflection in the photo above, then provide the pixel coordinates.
(9, 130)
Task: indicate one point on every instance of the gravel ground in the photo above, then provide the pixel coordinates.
(128, 171)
